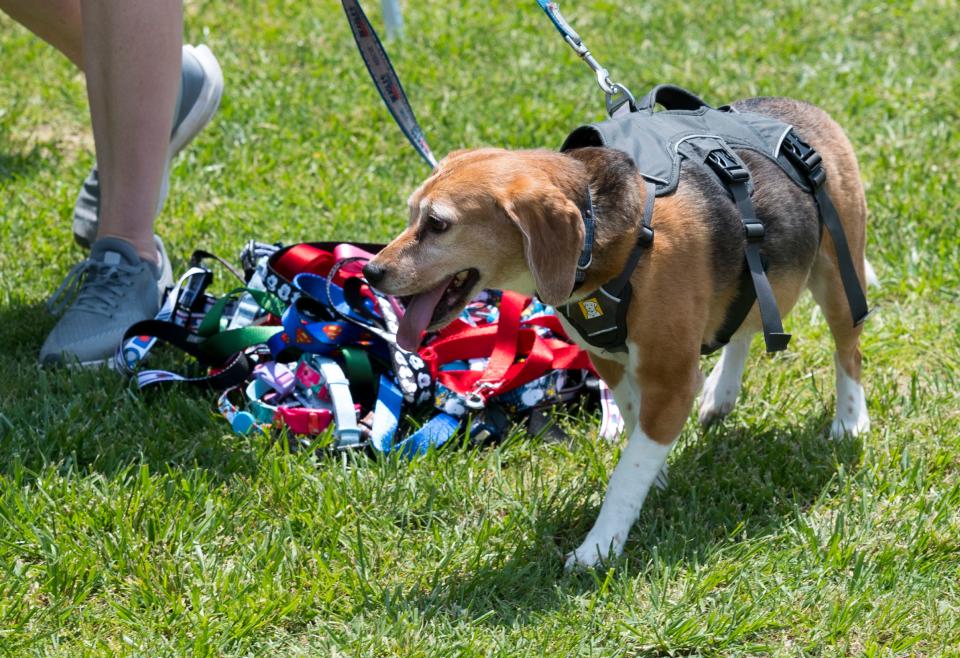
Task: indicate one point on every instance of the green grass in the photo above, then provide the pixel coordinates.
(139, 525)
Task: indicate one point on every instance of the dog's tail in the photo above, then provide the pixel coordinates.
(872, 280)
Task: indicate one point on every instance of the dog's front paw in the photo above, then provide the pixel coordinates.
(592, 553)
(577, 561)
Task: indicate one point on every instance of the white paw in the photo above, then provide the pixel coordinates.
(718, 399)
(722, 387)
(593, 552)
(714, 411)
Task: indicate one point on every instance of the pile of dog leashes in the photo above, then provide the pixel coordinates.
(305, 347)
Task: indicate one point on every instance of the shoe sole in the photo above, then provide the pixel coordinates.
(166, 269)
(206, 105)
(207, 102)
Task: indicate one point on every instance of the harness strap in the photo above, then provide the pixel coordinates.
(276, 375)
(505, 344)
(344, 412)
(735, 177)
(644, 240)
(809, 162)
(176, 308)
(232, 373)
(737, 312)
(601, 320)
(359, 370)
(848, 273)
(436, 432)
(538, 360)
(670, 97)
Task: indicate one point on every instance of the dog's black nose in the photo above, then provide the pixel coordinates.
(374, 273)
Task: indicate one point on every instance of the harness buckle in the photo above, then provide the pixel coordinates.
(727, 166)
(805, 158)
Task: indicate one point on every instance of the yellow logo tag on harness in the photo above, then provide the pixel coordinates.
(591, 308)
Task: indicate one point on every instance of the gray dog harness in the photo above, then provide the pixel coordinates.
(659, 143)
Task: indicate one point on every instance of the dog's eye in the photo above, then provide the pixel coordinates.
(437, 225)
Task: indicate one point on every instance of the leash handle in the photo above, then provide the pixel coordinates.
(385, 79)
(616, 94)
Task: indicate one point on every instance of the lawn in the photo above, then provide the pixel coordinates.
(139, 525)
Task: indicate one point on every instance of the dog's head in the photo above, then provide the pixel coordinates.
(486, 218)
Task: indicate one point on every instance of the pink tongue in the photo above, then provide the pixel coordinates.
(417, 316)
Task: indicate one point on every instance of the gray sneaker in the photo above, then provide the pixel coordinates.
(114, 288)
(201, 87)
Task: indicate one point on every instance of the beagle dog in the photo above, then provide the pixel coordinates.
(492, 218)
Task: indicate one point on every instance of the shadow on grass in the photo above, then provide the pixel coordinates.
(95, 420)
(23, 164)
(727, 485)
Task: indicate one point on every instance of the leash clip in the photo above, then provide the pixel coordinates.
(616, 93)
(475, 399)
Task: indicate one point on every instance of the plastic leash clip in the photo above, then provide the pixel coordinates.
(345, 413)
(307, 422)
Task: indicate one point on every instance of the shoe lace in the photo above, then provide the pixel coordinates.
(93, 286)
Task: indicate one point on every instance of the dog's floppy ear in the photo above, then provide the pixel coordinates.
(553, 237)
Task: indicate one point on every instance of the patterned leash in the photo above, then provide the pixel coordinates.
(385, 79)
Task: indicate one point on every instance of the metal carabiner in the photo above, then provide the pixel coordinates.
(619, 96)
(616, 93)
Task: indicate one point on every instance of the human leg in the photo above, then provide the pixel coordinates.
(131, 59)
(55, 21)
(201, 86)
(132, 62)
